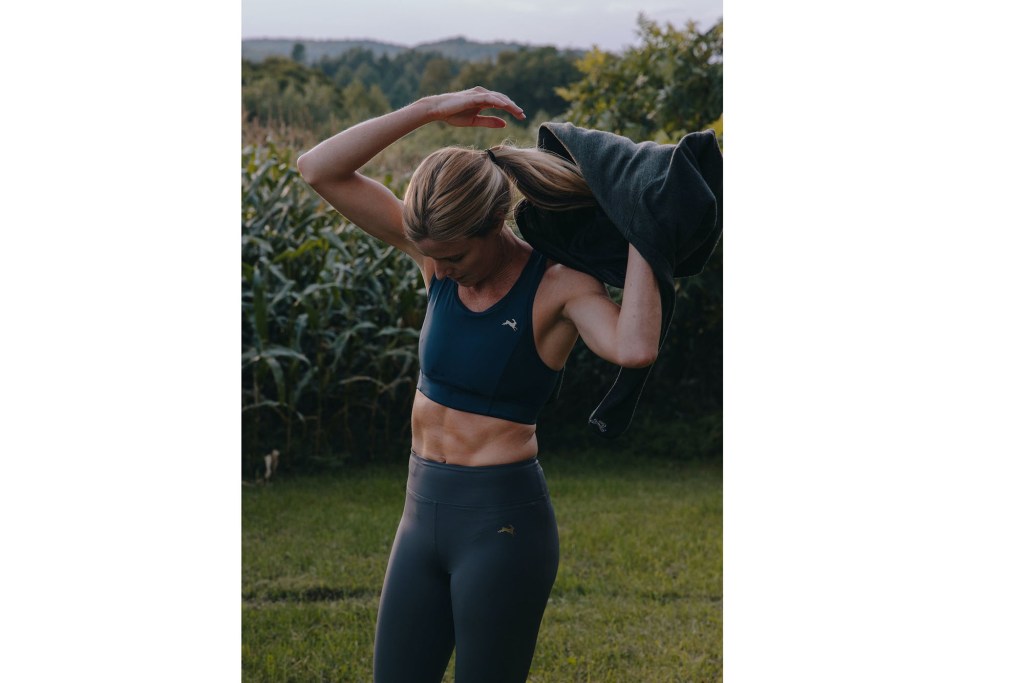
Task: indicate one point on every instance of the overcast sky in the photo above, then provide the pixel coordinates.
(610, 25)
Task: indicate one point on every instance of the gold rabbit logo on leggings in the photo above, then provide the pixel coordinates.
(510, 530)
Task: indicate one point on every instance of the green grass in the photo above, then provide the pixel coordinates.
(638, 595)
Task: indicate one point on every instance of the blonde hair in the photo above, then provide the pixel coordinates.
(458, 192)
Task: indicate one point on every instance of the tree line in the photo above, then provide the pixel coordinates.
(340, 91)
(671, 83)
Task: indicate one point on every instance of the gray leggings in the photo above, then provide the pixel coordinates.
(471, 568)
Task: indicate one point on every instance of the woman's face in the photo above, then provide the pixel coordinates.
(467, 260)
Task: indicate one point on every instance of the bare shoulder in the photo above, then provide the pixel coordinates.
(571, 282)
(562, 285)
(562, 293)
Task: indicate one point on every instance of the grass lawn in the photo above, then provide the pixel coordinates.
(638, 596)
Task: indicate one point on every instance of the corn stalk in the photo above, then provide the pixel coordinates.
(330, 323)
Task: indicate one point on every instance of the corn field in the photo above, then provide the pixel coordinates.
(330, 323)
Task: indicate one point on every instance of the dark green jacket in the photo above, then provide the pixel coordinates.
(666, 200)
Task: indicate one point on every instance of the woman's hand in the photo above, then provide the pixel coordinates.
(463, 108)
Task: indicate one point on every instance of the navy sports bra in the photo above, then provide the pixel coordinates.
(486, 362)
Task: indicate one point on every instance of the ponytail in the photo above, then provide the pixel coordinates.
(543, 178)
(457, 192)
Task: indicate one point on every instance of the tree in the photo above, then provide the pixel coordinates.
(363, 103)
(529, 76)
(437, 76)
(668, 86)
(299, 53)
(279, 91)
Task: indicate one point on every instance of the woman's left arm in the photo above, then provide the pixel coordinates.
(626, 335)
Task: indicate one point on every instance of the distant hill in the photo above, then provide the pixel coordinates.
(258, 49)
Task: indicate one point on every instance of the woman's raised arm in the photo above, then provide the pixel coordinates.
(331, 167)
(626, 335)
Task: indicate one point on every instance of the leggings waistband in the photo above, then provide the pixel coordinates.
(517, 482)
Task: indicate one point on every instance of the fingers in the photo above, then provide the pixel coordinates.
(491, 99)
(464, 108)
(489, 122)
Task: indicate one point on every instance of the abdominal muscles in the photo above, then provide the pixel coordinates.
(459, 438)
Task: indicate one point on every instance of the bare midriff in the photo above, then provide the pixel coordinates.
(447, 435)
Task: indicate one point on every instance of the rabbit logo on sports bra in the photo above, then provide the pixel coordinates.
(511, 323)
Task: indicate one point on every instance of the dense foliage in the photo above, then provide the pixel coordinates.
(401, 78)
(668, 86)
(331, 316)
(330, 321)
(530, 77)
(337, 92)
(281, 93)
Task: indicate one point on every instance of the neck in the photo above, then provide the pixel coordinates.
(510, 255)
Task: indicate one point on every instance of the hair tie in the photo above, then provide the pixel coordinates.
(491, 155)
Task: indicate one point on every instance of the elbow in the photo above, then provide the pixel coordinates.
(302, 164)
(639, 357)
(306, 169)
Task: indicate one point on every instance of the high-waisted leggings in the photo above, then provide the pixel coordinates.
(471, 568)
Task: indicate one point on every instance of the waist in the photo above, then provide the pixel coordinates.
(440, 432)
(490, 485)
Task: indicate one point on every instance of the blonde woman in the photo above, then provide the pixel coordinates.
(476, 551)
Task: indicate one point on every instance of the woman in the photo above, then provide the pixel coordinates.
(476, 552)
